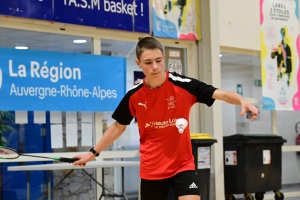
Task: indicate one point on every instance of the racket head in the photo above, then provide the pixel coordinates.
(8, 153)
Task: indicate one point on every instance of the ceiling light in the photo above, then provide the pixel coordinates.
(220, 55)
(79, 41)
(22, 47)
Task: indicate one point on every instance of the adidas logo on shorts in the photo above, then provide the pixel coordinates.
(193, 185)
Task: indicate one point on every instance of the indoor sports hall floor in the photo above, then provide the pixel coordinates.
(285, 189)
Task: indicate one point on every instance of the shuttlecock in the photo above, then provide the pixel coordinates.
(181, 124)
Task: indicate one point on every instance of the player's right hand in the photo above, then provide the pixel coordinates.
(83, 159)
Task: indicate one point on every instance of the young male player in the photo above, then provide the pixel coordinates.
(161, 103)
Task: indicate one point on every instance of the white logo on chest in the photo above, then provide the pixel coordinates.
(181, 124)
(171, 102)
(143, 104)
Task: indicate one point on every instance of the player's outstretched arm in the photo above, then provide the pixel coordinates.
(109, 136)
(236, 99)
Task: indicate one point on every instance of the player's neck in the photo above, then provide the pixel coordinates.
(155, 83)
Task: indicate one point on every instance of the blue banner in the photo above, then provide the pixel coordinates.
(50, 81)
(125, 15)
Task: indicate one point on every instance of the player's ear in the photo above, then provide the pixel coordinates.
(137, 63)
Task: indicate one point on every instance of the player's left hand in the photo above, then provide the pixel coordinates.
(248, 107)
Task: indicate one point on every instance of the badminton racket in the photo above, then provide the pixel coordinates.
(9, 153)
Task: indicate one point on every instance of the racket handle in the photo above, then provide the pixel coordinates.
(68, 160)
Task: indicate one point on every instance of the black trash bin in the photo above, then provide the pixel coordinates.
(201, 149)
(252, 164)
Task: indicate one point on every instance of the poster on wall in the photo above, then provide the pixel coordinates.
(176, 19)
(175, 60)
(279, 34)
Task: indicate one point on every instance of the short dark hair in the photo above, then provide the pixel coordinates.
(147, 43)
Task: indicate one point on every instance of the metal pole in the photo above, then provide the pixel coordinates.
(49, 185)
(28, 185)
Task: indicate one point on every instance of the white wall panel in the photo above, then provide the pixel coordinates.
(239, 24)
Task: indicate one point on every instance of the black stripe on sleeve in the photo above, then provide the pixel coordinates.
(122, 113)
(201, 90)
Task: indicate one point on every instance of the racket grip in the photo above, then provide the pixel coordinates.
(68, 160)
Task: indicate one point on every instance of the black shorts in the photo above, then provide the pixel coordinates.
(183, 183)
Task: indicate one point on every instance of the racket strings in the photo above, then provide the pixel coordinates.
(7, 153)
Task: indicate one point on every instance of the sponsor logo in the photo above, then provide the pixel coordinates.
(181, 124)
(282, 100)
(171, 102)
(143, 104)
(161, 124)
(193, 185)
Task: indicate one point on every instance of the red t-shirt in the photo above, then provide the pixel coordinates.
(164, 151)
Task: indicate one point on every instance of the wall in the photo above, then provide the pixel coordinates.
(239, 24)
(239, 74)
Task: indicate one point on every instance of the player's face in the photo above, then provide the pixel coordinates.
(152, 63)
